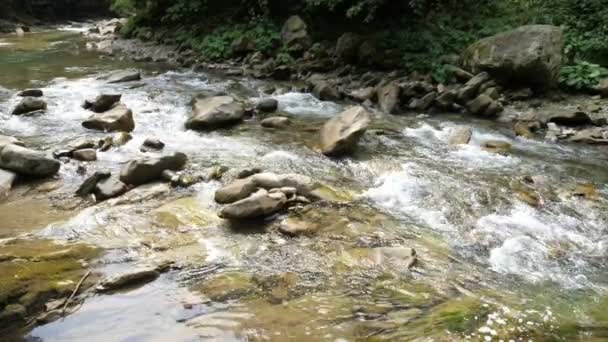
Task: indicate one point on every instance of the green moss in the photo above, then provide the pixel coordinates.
(32, 270)
(227, 286)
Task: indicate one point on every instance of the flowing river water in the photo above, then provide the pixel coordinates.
(491, 267)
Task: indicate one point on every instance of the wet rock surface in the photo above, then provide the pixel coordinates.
(215, 112)
(29, 105)
(27, 162)
(341, 134)
(119, 118)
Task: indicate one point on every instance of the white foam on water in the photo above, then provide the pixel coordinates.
(280, 156)
(428, 135)
(408, 194)
(525, 238)
(306, 104)
(71, 28)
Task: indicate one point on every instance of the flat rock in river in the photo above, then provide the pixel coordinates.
(215, 112)
(119, 118)
(124, 76)
(149, 169)
(275, 122)
(27, 162)
(128, 278)
(260, 204)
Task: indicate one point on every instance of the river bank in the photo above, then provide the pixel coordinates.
(498, 251)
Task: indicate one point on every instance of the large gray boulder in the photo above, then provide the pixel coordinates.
(215, 112)
(119, 118)
(146, 170)
(29, 105)
(295, 35)
(260, 204)
(341, 134)
(27, 162)
(529, 55)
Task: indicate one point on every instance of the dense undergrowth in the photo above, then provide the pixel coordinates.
(425, 33)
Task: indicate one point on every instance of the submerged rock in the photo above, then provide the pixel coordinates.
(497, 146)
(149, 169)
(275, 122)
(260, 204)
(298, 227)
(460, 136)
(31, 93)
(119, 118)
(27, 162)
(128, 279)
(102, 103)
(29, 105)
(529, 55)
(215, 112)
(341, 134)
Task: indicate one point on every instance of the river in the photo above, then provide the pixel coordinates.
(490, 265)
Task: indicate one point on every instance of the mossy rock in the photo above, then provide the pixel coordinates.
(34, 271)
(184, 212)
(228, 286)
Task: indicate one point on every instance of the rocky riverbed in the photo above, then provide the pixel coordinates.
(188, 205)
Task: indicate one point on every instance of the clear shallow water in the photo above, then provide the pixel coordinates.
(458, 206)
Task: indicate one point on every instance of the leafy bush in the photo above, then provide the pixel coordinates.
(582, 76)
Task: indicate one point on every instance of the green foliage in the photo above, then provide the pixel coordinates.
(584, 23)
(123, 7)
(284, 58)
(218, 44)
(582, 76)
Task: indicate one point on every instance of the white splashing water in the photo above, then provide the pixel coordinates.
(406, 193)
(306, 104)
